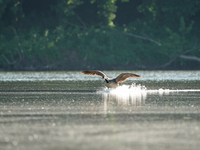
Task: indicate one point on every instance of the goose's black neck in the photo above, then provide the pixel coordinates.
(106, 80)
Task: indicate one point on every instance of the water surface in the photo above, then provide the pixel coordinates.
(69, 110)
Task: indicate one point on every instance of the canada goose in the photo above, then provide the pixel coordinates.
(111, 83)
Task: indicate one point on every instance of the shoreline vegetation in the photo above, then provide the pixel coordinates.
(104, 35)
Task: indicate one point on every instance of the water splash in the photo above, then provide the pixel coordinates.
(135, 94)
(138, 89)
(125, 94)
(124, 89)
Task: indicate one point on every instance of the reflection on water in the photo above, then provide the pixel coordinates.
(125, 95)
(67, 110)
(122, 101)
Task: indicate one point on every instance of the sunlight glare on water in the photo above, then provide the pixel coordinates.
(125, 93)
(76, 75)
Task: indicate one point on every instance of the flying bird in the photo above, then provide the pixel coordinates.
(111, 83)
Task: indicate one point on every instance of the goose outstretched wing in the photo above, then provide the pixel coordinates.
(122, 77)
(95, 72)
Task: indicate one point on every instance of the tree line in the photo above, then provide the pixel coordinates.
(99, 34)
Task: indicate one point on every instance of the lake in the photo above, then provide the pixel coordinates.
(69, 110)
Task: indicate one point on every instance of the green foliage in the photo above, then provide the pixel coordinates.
(97, 33)
(33, 46)
(102, 46)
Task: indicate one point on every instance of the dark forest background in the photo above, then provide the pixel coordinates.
(99, 34)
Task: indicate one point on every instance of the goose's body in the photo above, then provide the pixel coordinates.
(111, 83)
